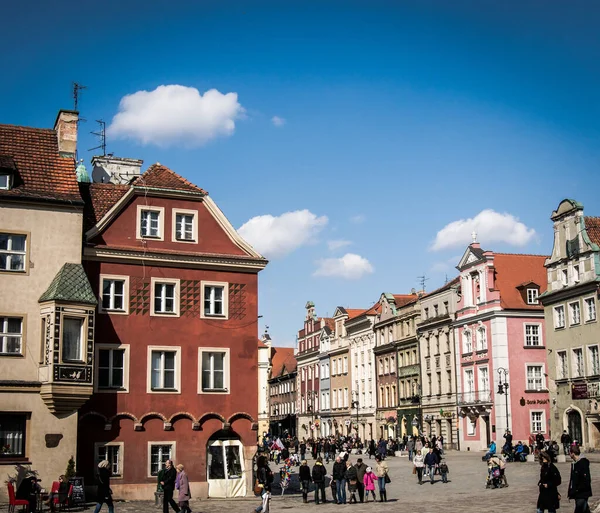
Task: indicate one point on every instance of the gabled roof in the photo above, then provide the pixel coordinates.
(592, 226)
(39, 171)
(161, 177)
(70, 285)
(283, 361)
(99, 199)
(446, 286)
(404, 299)
(513, 270)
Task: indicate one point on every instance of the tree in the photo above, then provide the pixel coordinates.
(70, 472)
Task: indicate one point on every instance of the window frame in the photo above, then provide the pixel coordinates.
(533, 299)
(161, 222)
(481, 330)
(176, 297)
(82, 342)
(9, 181)
(25, 417)
(544, 384)
(126, 362)
(590, 370)
(567, 370)
(225, 286)
(23, 335)
(573, 362)
(543, 420)
(539, 334)
(467, 334)
(226, 371)
(572, 322)
(120, 458)
(555, 316)
(174, 234)
(173, 456)
(177, 380)
(114, 277)
(27, 235)
(585, 303)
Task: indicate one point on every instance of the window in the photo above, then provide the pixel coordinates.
(159, 454)
(214, 363)
(345, 365)
(11, 335)
(470, 426)
(426, 312)
(532, 335)
(532, 296)
(535, 377)
(165, 369)
(439, 383)
(578, 371)
(380, 367)
(392, 365)
(562, 368)
(594, 360)
(484, 379)
(112, 368)
(12, 435)
(590, 309)
(184, 226)
(467, 342)
(150, 223)
(537, 421)
(166, 297)
(469, 386)
(112, 452)
(576, 274)
(481, 338)
(575, 313)
(115, 294)
(386, 366)
(72, 339)
(215, 299)
(5, 181)
(445, 307)
(345, 398)
(13, 252)
(564, 277)
(559, 317)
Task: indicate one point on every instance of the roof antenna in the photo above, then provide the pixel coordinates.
(102, 135)
(422, 280)
(76, 88)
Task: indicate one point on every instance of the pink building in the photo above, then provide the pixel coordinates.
(499, 334)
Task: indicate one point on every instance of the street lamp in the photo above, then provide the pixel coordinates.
(355, 404)
(503, 388)
(310, 396)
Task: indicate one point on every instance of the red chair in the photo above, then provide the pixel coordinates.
(13, 502)
(56, 498)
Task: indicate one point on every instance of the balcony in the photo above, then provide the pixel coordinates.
(474, 404)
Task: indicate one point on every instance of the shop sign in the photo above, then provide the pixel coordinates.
(579, 391)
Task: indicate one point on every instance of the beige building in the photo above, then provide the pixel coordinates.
(340, 384)
(438, 363)
(572, 329)
(46, 305)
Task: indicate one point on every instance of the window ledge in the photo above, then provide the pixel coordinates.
(14, 460)
(534, 347)
(535, 391)
(591, 321)
(558, 328)
(12, 355)
(219, 390)
(575, 324)
(481, 351)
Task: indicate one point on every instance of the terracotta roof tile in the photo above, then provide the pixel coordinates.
(354, 312)
(512, 270)
(592, 225)
(161, 177)
(41, 173)
(283, 359)
(446, 286)
(404, 299)
(99, 199)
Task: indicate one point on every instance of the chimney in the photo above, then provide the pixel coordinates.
(66, 132)
(110, 169)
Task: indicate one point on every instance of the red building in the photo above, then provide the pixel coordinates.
(175, 349)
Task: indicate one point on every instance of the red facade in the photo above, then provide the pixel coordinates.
(184, 335)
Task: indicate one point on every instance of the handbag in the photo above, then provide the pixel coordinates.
(387, 479)
(257, 488)
(414, 470)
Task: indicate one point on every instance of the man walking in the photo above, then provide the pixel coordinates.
(431, 462)
(566, 440)
(410, 447)
(338, 475)
(580, 484)
(361, 470)
(168, 484)
(318, 477)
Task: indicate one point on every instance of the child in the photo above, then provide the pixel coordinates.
(369, 482)
(444, 471)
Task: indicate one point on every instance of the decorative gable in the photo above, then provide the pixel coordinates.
(472, 255)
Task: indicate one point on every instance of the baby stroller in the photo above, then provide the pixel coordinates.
(493, 478)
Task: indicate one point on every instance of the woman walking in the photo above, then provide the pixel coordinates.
(550, 480)
(419, 463)
(381, 471)
(183, 485)
(103, 491)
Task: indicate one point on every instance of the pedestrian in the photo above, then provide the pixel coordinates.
(361, 468)
(103, 492)
(369, 483)
(29, 489)
(548, 498)
(168, 484)
(372, 449)
(338, 475)
(580, 483)
(264, 478)
(318, 477)
(444, 471)
(419, 465)
(410, 447)
(431, 461)
(182, 484)
(565, 440)
(351, 477)
(381, 471)
(305, 480)
(419, 444)
(303, 449)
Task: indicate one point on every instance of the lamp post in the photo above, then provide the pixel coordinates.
(276, 414)
(356, 404)
(310, 396)
(503, 389)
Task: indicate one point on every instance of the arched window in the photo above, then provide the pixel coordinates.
(386, 366)
(467, 341)
(392, 365)
(481, 338)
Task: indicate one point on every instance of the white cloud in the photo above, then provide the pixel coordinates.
(277, 121)
(349, 267)
(276, 236)
(337, 244)
(358, 219)
(176, 115)
(490, 226)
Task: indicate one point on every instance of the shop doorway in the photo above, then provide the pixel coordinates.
(225, 466)
(574, 426)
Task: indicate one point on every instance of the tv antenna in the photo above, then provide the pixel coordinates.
(101, 134)
(422, 280)
(77, 87)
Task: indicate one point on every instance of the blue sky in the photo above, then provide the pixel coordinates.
(397, 119)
